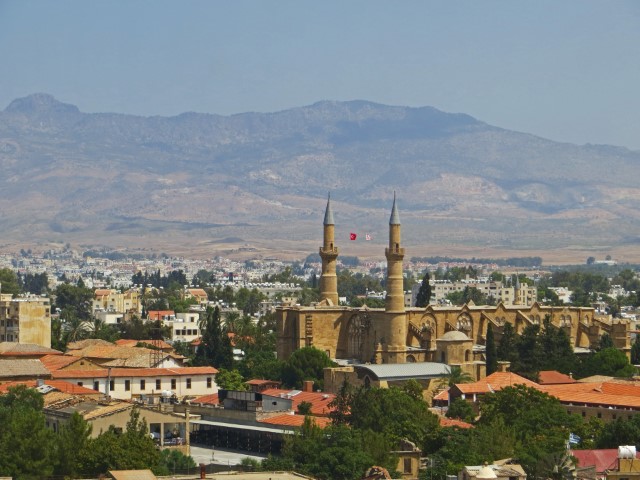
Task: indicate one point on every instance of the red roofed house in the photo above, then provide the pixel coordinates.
(553, 377)
(494, 382)
(607, 462)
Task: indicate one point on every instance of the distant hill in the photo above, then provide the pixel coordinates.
(210, 184)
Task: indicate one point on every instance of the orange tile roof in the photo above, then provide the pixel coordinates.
(319, 401)
(61, 385)
(127, 342)
(597, 394)
(158, 314)
(260, 381)
(442, 396)
(551, 377)
(135, 372)
(200, 292)
(452, 422)
(289, 420)
(56, 362)
(102, 292)
(212, 399)
(494, 382)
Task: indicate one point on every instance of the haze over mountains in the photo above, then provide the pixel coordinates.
(205, 184)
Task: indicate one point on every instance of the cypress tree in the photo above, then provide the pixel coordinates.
(424, 294)
(491, 352)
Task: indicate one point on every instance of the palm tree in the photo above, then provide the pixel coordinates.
(231, 321)
(456, 375)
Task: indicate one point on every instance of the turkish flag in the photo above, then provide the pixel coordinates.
(353, 236)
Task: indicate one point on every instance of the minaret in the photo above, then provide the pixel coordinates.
(394, 303)
(329, 254)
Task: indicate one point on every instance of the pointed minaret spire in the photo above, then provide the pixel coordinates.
(328, 213)
(396, 331)
(395, 217)
(329, 254)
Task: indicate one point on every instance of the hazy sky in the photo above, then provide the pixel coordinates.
(566, 70)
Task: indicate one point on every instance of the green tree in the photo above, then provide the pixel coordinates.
(456, 375)
(304, 408)
(412, 419)
(424, 293)
(215, 348)
(174, 460)
(491, 352)
(9, 282)
(230, 380)
(620, 432)
(605, 342)
(540, 422)
(508, 347)
(461, 409)
(72, 443)
(610, 362)
(27, 445)
(337, 452)
(635, 351)
(307, 363)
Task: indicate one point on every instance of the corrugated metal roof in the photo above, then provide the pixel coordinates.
(238, 426)
(393, 371)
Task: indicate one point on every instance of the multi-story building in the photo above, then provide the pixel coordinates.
(185, 327)
(25, 319)
(109, 300)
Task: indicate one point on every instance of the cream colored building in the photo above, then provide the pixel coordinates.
(145, 383)
(110, 300)
(25, 319)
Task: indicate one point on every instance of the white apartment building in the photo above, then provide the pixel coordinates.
(185, 327)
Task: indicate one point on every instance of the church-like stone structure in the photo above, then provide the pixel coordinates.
(454, 335)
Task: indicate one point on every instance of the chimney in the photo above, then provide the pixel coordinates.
(307, 386)
(203, 471)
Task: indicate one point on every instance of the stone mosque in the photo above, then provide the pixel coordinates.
(395, 334)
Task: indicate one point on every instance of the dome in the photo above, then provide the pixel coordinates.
(486, 473)
(454, 335)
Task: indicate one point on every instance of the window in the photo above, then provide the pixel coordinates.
(142, 384)
(407, 465)
(96, 386)
(79, 384)
(112, 385)
(127, 385)
(173, 384)
(188, 383)
(208, 382)
(158, 384)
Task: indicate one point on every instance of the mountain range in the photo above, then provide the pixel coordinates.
(255, 184)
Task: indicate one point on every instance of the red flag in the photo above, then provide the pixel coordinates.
(352, 236)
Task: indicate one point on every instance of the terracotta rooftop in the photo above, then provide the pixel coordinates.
(126, 342)
(494, 382)
(60, 385)
(553, 377)
(80, 344)
(452, 422)
(158, 314)
(135, 372)
(597, 394)
(212, 399)
(288, 420)
(259, 381)
(14, 349)
(319, 401)
(56, 362)
(12, 368)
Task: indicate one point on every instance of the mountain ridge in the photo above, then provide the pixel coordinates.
(262, 176)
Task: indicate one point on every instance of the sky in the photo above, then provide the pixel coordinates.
(565, 70)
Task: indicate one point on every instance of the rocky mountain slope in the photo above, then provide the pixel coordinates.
(206, 184)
